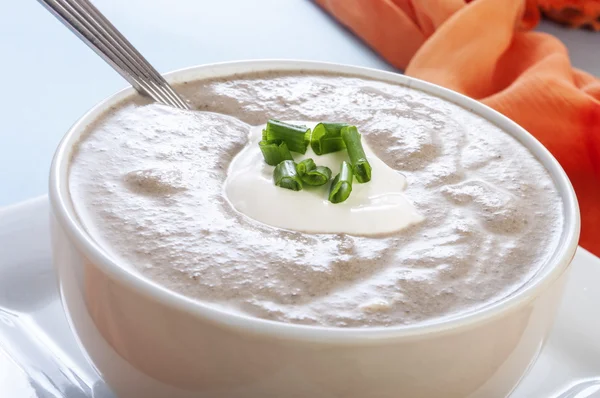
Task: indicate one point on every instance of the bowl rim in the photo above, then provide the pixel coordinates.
(557, 263)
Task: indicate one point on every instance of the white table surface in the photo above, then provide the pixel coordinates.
(51, 78)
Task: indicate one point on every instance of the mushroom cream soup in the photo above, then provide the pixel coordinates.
(457, 215)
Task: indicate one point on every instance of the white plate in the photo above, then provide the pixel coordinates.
(39, 356)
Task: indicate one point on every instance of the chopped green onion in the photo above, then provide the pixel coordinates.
(317, 177)
(360, 164)
(274, 153)
(327, 138)
(341, 185)
(305, 166)
(286, 176)
(312, 174)
(296, 137)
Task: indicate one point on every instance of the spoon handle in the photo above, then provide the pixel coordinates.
(88, 23)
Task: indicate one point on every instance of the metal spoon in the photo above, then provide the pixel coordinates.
(83, 19)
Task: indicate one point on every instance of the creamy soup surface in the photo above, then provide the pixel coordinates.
(148, 183)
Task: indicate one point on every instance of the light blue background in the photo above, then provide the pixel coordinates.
(51, 78)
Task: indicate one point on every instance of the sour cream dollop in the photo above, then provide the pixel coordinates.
(376, 207)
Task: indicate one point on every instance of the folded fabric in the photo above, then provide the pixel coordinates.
(573, 13)
(485, 49)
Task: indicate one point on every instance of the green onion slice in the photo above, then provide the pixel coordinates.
(296, 137)
(312, 174)
(305, 166)
(319, 176)
(356, 153)
(327, 138)
(341, 185)
(274, 153)
(286, 176)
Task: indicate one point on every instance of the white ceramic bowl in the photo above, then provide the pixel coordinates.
(147, 341)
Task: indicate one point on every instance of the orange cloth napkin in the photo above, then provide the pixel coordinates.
(484, 49)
